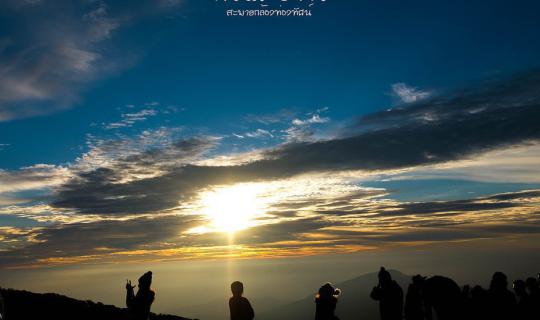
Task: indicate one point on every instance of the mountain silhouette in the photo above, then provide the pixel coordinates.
(24, 305)
(354, 301)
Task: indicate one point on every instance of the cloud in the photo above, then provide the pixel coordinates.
(129, 119)
(153, 151)
(159, 173)
(41, 65)
(101, 24)
(468, 123)
(259, 133)
(51, 50)
(284, 115)
(320, 223)
(408, 94)
(39, 176)
(516, 164)
(312, 120)
(302, 130)
(95, 238)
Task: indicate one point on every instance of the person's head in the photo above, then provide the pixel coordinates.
(327, 291)
(384, 277)
(237, 288)
(145, 281)
(519, 287)
(499, 281)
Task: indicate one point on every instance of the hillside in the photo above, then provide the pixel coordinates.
(24, 305)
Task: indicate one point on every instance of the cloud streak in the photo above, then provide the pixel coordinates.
(356, 222)
(408, 94)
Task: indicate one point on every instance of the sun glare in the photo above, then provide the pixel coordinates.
(233, 208)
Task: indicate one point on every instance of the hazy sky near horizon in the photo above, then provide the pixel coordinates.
(166, 132)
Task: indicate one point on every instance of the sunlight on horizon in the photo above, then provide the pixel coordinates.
(234, 208)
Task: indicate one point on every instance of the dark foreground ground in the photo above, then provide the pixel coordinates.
(24, 305)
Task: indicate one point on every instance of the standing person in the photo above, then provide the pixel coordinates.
(479, 303)
(2, 317)
(325, 302)
(523, 302)
(534, 296)
(444, 297)
(139, 304)
(239, 306)
(390, 296)
(414, 303)
(502, 302)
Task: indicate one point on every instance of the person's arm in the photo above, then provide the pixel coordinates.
(251, 311)
(376, 293)
(232, 310)
(130, 295)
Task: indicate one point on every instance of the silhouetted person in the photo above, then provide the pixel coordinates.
(239, 306)
(502, 302)
(139, 304)
(390, 296)
(1, 307)
(533, 287)
(534, 296)
(478, 303)
(523, 300)
(443, 296)
(467, 302)
(414, 303)
(325, 302)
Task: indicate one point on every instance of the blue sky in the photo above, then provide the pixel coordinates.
(150, 116)
(219, 69)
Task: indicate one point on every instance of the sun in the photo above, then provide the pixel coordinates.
(233, 208)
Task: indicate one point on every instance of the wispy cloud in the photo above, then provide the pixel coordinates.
(45, 65)
(282, 116)
(316, 118)
(259, 133)
(516, 164)
(302, 130)
(408, 94)
(50, 50)
(129, 119)
(39, 176)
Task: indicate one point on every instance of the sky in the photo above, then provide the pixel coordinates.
(181, 133)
